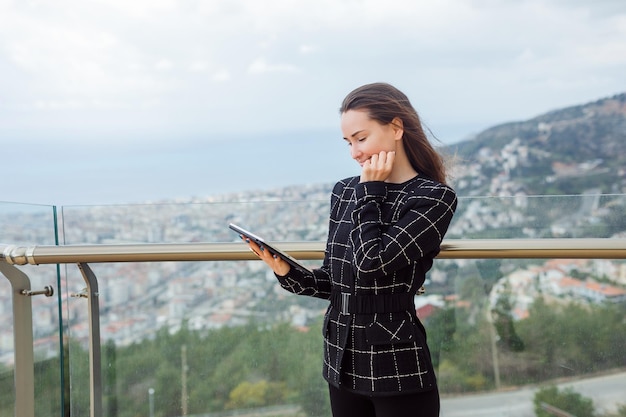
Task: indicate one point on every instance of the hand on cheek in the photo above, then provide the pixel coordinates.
(378, 167)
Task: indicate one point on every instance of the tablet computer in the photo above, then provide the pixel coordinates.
(273, 249)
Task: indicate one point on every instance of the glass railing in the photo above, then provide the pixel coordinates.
(29, 224)
(507, 319)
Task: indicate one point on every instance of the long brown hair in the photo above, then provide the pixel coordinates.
(384, 102)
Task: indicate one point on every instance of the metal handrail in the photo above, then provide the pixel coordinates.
(587, 248)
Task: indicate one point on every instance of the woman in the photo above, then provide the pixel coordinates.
(385, 228)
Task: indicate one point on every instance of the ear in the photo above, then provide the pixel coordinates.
(398, 128)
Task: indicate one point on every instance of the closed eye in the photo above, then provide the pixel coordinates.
(349, 141)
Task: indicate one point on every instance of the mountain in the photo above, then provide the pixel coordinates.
(561, 174)
(567, 151)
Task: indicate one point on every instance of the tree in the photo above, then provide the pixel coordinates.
(256, 394)
(441, 327)
(567, 400)
(503, 322)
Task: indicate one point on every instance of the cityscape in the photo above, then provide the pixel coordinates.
(138, 298)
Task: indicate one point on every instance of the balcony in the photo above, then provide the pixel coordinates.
(157, 310)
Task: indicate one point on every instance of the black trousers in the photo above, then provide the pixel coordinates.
(344, 403)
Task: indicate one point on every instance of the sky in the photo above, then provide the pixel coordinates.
(118, 101)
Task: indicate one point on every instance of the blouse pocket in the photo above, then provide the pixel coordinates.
(390, 332)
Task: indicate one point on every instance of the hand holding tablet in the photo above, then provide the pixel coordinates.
(272, 249)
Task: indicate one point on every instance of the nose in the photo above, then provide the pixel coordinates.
(355, 152)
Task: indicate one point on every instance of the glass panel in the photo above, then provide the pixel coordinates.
(223, 317)
(517, 327)
(522, 216)
(218, 337)
(28, 225)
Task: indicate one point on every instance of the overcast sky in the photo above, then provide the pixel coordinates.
(108, 101)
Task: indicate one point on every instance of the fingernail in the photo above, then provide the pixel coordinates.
(262, 248)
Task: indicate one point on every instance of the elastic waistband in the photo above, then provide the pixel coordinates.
(348, 303)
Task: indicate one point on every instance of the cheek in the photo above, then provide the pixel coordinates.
(382, 144)
(371, 148)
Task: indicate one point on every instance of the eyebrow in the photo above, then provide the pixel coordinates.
(355, 133)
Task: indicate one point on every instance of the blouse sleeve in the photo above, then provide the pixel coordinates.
(382, 249)
(315, 284)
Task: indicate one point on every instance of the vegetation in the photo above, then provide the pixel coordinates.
(259, 365)
(232, 368)
(550, 398)
(566, 400)
(553, 342)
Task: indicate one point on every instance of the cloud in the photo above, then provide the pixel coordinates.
(221, 75)
(115, 79)
(260, 66)
(150, 63)
(164, 65)
(198, 66)
(307, 49)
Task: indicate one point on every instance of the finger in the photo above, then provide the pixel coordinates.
(382, 159)
(280, 266)
(263, 254)
(259, 250)
(254, 247)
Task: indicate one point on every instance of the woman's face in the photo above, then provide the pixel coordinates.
(366, 136)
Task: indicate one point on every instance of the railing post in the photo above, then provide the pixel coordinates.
(24, 370)
(95, 355)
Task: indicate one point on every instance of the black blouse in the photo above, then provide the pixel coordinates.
(382, 240)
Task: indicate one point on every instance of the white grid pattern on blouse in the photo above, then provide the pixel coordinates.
(382, 240)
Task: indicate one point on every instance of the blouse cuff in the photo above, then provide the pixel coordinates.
(370, 190)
